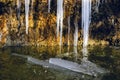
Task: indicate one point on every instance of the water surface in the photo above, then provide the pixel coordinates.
(18, 68)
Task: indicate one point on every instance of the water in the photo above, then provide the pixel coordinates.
(59, 19)
(27, 2)
(86, 19)
(15, 67)
(49, 3)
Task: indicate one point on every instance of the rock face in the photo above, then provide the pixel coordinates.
(3, 30)
(104, 28)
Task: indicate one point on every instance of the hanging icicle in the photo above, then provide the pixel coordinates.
(18, 9)
(27, 2)
(18, 12)
(49, 3)
(97, 5)
(59, 19)
(0, 36)
(76, 33)
(86, 19)
(68, 30)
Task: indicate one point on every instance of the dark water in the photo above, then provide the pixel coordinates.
(17, 68)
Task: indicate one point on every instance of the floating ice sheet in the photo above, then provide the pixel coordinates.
(86, 67)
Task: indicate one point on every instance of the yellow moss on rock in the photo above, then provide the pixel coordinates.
(3, 30)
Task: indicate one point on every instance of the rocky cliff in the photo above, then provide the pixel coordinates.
(104, 28)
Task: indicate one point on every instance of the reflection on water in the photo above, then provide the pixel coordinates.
(17, 68)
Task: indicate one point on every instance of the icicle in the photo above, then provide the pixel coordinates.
(0, 36)
(97, 5)
(102, 1)
(76, 33)
(69, 30)
(18, 9)
(18, 12)
(85, 53)
(59, 18)
(49, 3)
(76, 52)
(27, 14)
(86, 19)
(31, 5)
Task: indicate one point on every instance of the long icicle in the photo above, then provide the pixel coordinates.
(18, 12)
(68, 30)
(76, 33)
(27, 2)
(59, 18)
(86, 19)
